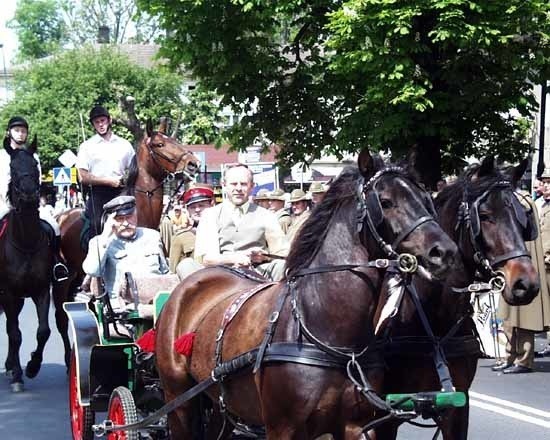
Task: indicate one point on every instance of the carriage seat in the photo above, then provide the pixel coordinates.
(143, 289)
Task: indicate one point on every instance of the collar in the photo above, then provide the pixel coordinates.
(244, 207)
(97, 139)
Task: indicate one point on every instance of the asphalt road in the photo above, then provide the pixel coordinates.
(503, 407)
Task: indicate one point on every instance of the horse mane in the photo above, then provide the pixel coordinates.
(132, 176)
(454, 192)
(312, 234)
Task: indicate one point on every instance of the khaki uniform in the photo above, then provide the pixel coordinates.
(297, 222)
(284, 219)
(182, 246)
(521, 322)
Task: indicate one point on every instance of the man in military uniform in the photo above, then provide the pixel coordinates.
(261, 199)
(317, 191)
(276, 201)
(196, 200)
(543, 207)
(123, 247)
(239, 233)
(300, 212)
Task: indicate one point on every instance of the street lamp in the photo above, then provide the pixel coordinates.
(5, 72)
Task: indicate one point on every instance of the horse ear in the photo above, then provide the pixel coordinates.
(487, 167)
(163, 128)
(33, 146)
(518, 171)
(149, 128)
(366, 163)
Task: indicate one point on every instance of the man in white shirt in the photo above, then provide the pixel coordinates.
(239, 233)
(103, 162)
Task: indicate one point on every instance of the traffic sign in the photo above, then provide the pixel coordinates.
(62, 176)
(68, 158)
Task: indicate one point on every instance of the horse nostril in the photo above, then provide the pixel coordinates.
(436, 252)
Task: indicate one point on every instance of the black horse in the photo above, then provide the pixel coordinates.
(486, 220)
(26, 260)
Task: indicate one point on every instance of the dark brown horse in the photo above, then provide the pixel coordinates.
(26, 260)
(481, 213)
(158, 158)
(320, 301)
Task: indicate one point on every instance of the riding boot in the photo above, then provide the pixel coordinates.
(60, 271)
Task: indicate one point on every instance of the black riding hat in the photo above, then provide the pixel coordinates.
(17, 121)
(98, 111)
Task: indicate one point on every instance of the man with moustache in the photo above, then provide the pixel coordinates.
(103, 162)
(123, 247)
(239, 233)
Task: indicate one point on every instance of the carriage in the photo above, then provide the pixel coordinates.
(111, 370)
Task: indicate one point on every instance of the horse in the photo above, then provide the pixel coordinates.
(26, 259)
(158, 159)
(325, 307)
(483, 216)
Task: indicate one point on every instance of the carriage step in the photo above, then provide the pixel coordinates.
(420, 401)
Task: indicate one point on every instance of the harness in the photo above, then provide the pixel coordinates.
(315, 352)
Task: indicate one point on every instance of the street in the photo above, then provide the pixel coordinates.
(502, 407)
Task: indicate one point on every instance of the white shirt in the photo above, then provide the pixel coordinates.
(5, 176)
(105, 158)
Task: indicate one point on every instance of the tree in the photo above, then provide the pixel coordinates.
(439, 75)
(201, 121)
(39, 27)
(53, 94)
(126, 24)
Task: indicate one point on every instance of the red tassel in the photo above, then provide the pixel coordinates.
(147, 341)
(184, 344)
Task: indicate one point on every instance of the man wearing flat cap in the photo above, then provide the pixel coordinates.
(276, 201)
(123, 247)
(300, 212)
(196, 199)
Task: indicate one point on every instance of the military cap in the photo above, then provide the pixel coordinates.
(317, 187)
(278, 194)
(121, 205)
(198, 193)
(297, 195)
(262, 194)
(545, 174)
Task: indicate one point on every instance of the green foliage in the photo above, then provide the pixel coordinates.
(39, 27)
(53, 94)
(340, 75)
(201, 120)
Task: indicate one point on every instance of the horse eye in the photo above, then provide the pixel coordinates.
(386, 204)
(485, 216)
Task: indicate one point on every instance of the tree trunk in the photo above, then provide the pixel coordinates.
(428, 161)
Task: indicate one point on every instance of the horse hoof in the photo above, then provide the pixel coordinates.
(32, 369)
(17, 387)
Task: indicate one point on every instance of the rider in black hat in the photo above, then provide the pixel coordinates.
(103, 161)
(16, 137)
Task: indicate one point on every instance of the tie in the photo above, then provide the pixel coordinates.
(237, 215)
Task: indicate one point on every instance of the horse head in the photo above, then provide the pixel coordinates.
(401, 216)
(491, 228)
(24, 187)
(168, 154)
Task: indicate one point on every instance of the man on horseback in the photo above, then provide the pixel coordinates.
(123, 247)
(239, 233)
(103, 162)
(16, 137)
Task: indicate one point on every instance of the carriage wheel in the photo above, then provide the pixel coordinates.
(122, 411)
(82, 417)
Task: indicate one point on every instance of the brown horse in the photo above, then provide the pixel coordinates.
(158, 159)
(325, 307)
(481, 213)
(26, 259)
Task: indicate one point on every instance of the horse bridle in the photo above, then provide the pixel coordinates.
(469, 217)
(170, 175)
(370, 211)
